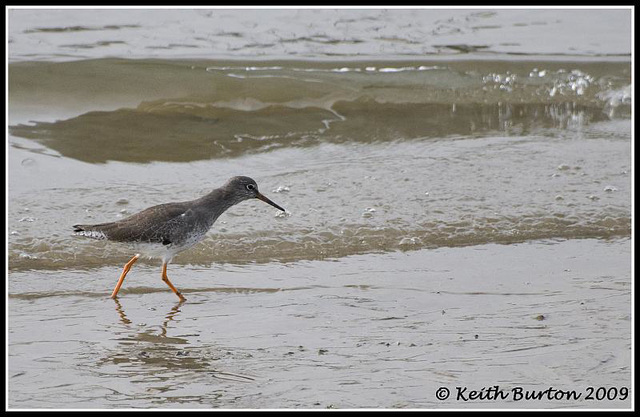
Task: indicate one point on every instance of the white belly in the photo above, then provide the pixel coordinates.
(166, 252)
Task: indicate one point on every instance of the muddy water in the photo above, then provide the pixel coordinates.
(366, 331)
(367, 160)
(459, 207)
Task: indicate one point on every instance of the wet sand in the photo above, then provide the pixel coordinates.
(364, 331)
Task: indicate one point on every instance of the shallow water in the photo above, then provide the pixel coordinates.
(366, 331)
(363, 161)
(263, 33)
(431, 162)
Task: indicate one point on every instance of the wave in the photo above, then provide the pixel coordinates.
(183, 132)
(205, 111)
(289, 244)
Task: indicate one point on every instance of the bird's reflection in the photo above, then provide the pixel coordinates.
(121, 313)
(144, 350)
(168, 317)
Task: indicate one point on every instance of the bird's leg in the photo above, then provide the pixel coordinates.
(125, 271)
(165, 278)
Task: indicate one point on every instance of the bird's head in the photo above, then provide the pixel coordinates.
(245, 188)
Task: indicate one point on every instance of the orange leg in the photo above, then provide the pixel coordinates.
(125, 271)
(165, 278)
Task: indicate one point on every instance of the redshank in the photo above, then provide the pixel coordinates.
(164, 230)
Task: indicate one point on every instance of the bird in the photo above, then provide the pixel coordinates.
(164, 230)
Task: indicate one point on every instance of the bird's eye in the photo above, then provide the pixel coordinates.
(251, 187)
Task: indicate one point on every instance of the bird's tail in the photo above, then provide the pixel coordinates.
(89, 231)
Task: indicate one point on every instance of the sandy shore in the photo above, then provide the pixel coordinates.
(367, 331)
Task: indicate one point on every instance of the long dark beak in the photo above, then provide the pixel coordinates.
(266, 200)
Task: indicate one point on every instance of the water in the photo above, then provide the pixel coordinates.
(437, 150)
(315, 33)
(390, 136)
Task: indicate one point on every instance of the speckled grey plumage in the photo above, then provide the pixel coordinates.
(176, 226)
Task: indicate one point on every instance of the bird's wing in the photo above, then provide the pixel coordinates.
(157, 224)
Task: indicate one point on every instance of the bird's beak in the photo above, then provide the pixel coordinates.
(266, 200)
